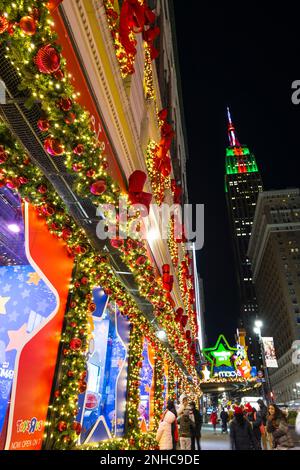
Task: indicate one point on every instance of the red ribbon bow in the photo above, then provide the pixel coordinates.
(136, 194)
(162, 161)
(134, 17)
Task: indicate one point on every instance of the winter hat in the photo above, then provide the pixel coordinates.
(238, 410)
(248, 408)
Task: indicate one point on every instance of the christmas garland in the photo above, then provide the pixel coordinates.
(148, 75)
(172, 244)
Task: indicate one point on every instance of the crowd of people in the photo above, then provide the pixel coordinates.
(180, 426)
(261, 428)
(249, 428)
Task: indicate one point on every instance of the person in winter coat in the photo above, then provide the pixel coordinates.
(277, 425)
(186, 429)
(262, 414)
(166, 435)
(241, 434)
(214, 420)
(256, 426)
(224, 418)
(198, 421)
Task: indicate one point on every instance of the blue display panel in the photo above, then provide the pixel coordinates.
(103, 406)
(146, 378)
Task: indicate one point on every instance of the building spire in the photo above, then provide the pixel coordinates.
(233, 140)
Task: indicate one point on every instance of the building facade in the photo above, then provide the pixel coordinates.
(242, 185)
(274, 251)
(92, 115)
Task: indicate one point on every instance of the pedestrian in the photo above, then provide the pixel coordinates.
(256, 427)
(214, 420)
(241, 434)
(297, 423)
(262, 413)
(198, 421)
(224, 418)
(278, 427)
(167, 433)
(186, 429)
(183, 404)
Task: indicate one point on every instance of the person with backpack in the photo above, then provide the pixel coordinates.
(196, 431)
(241, 433)
(186, 429)
(167, 433)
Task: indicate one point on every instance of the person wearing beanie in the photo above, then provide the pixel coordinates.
(241, 433)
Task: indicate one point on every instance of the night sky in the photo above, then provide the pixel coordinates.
(247, 58)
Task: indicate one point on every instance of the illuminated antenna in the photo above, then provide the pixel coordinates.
(233, 140)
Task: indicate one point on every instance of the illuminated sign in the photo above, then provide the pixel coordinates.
(227, 362)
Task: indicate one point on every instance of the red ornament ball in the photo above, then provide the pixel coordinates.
(53, 147)
(23, 180)
(62, 426)
(90, 173)
(42, 189)
(43, 125)
(70, 374)
(59, 75)
(28, 25)
(4, 24)
(141, 260)
(70, 118)
(84, 280)
(98, 188)
(47, 59)
(80, 250)
(57, 393)
(79, 149)
(66, 233)
(75, 344)
(3, 157)
(104, 165)
(92, 307)
(65, 104)
(76, 427)
(77, 167)
(82, 386)
(115, 243)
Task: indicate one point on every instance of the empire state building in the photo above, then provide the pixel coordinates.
(242, 184)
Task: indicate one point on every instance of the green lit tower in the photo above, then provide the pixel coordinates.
(242, 184)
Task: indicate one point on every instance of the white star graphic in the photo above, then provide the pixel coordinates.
(25, 293)
(6, 288)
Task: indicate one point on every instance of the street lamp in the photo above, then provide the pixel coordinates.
(258, 324)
